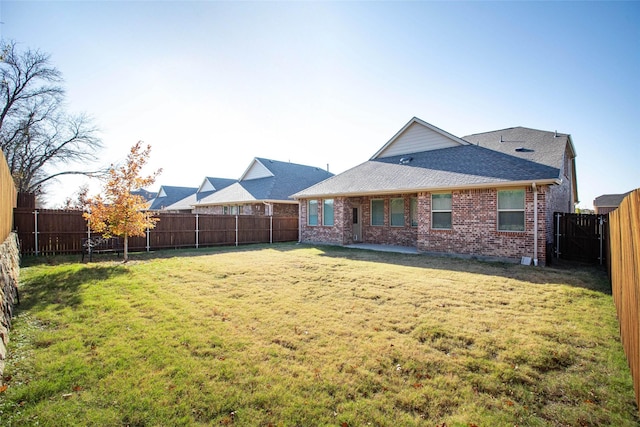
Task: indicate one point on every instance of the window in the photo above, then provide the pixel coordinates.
(397, 212)
(511, 210)
(327, 212)
(377, 212)
(414, 211)
(312, 212)
(441, 211)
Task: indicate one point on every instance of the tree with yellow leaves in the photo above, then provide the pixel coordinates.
(120, 213)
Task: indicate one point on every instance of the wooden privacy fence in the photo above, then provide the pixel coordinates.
(624, 271)
(52, 232)
(7, 198)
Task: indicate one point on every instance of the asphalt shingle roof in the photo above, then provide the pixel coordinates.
(287, 179)
(538, 146)
(609, 200)
(173, 195)
(455, 167)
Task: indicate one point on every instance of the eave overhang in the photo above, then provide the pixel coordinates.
(509, 184)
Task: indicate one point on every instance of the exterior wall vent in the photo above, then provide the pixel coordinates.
(405, 160)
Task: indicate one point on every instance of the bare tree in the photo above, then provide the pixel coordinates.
(39, 138)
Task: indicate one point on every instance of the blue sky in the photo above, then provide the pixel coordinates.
(211, 85)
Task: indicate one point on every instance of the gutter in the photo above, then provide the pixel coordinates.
(535, 224)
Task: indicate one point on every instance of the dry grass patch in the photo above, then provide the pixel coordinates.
(299, 335)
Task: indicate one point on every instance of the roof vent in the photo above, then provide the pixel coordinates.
(555, 134)
(523, 150)
(501, 138)
(405, 160)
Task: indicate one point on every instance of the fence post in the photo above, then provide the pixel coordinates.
(35, 216)
(148, 246)
(557, 214)
(236, 230)
(197, 232)
(601, 231)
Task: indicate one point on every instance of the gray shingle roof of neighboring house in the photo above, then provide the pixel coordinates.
(147, 195)
(609, 200)
(168, 195)
(422, 157)
(277, 181)
(216, 183)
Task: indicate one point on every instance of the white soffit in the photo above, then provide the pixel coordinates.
(418, 136)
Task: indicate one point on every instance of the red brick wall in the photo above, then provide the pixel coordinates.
(474, 225)
(386, 234)
(475, 230)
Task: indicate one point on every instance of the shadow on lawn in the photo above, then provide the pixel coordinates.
(584, 276)
(62, 287)
(578, 275)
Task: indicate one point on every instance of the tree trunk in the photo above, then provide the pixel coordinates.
(125, 252)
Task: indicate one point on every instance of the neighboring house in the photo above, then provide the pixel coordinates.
(489, 195)
(608, 202)
(169, 195)
(264, 189)
(209, 186)
(148, 196)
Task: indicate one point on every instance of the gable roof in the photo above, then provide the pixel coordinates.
(422, 157)
(442, 169)
(168, 195)
(418, 136)
(210, 185)
(267, 180)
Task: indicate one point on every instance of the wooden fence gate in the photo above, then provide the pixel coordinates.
(580, 237)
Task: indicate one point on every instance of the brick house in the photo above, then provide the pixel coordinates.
(263, 189)
(490, 195)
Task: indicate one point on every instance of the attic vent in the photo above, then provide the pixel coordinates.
(523, 150)
(405, 160)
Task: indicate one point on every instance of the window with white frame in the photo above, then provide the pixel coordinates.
(377, 212)
(511, 210)
(312, 212)
(397, 212)
(327, 212)
(413, 211)
(441, 211)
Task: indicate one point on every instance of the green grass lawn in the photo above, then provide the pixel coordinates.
(295, 335)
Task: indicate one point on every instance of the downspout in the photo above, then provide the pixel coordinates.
(535, 224)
